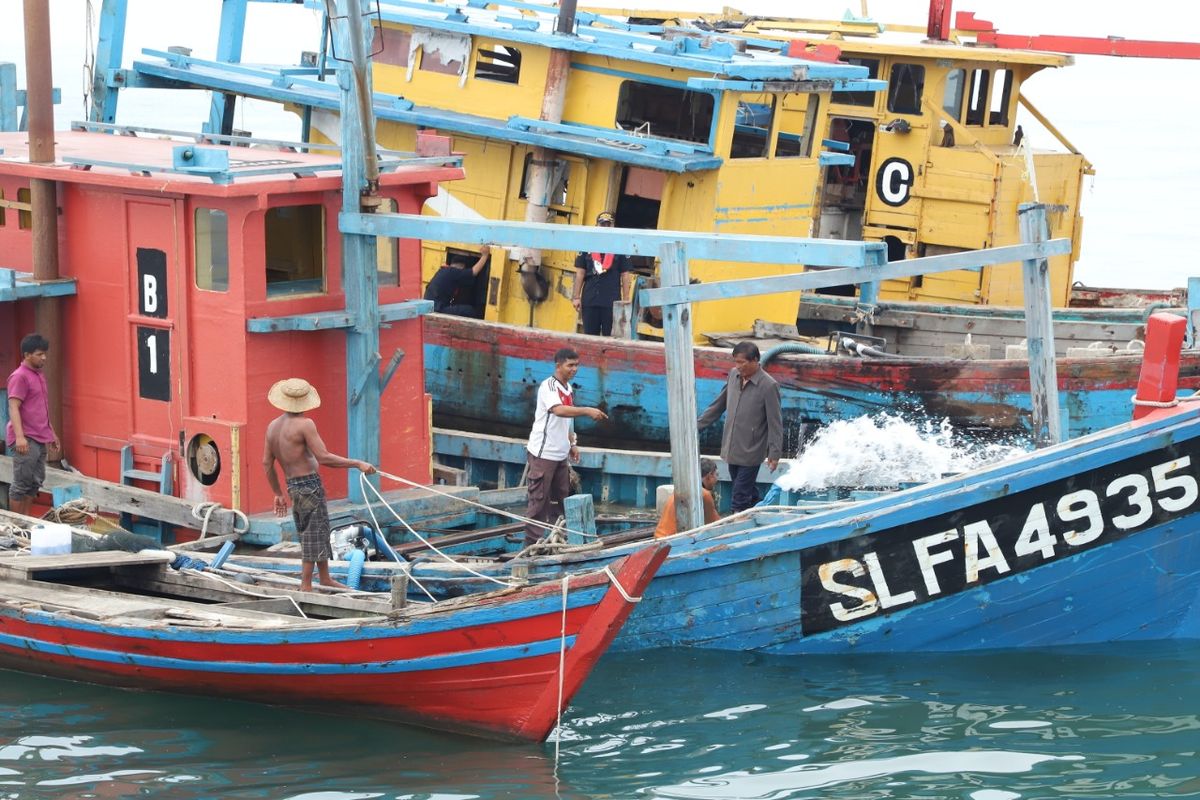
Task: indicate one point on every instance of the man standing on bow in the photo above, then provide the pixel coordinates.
(552, 443)
(29, 433)
(293, 441)
(753, 423)
(601, 279)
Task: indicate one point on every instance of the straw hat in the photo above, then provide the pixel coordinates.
(295, 395)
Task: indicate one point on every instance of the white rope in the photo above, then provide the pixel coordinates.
(209, 508)
(362, 478)
(244, 590)
(490, 509)
(1155, 403)
(613, 580)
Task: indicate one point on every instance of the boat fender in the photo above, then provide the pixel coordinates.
(355, 570)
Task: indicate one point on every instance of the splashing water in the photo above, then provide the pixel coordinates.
(888, 450)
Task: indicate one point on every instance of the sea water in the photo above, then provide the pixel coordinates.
(1118, 721)
(890, 450)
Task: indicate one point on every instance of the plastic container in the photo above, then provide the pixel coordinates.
(50, 539)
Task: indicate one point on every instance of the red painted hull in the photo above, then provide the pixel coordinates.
(487, 665)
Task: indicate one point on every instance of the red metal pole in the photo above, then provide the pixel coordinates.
(43, 194)
(1160, 362)
(939, 19)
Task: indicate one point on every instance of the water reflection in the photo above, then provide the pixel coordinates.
(1106, 722)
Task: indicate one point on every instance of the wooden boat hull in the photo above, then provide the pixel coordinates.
(1089, 541)
(487, 665)
(483, 377)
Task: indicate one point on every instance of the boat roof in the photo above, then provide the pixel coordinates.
(714, 54)
(202, 167)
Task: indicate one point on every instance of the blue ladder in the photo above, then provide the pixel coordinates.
(166, 485)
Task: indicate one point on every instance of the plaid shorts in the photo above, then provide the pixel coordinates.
(311, 517)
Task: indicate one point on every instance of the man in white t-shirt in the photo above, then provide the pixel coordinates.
(552, 443)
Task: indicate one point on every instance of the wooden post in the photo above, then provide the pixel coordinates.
(360, 278)
(1159, 377)
(1039, 330)
(580, 511)
(9, 115)
(681, 389)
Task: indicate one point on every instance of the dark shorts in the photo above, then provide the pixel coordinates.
(311, 517)
(29, 471)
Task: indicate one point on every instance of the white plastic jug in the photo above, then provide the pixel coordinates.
(50, 539)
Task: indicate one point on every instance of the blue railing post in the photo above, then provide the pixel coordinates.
(110, 46)
(360, 279)
(229, 50)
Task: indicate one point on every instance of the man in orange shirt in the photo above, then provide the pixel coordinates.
(667, 526)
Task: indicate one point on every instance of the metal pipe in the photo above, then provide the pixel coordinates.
(43, 194)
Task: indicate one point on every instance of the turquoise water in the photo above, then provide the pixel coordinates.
(1119, 721)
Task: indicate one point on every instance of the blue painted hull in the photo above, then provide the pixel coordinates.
(483, 376)
(1119, 558)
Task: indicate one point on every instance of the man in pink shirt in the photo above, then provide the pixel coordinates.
(29, 434)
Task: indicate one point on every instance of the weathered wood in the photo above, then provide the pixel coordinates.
(1043, 382)
(130, 499)
(681, 388)
(207, 543)
(21, 565)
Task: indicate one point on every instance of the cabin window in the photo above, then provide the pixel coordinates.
(797, 125)
(752, 128)
(560, 173)
(860, 98)
(952, 97)
(665, 111)
(24, 215)
(905, 86)
(1, 208)
(212, 250)
(1002, 85)
(387, 258)
(391, 46)
(295, 240)
(498, 63)
(444, 53)
(977, 97)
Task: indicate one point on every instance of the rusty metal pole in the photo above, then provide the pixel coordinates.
(541, 164)
(43, 194)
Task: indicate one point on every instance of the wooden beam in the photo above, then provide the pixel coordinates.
(115, 497)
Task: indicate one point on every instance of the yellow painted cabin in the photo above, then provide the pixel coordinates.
(741, 154)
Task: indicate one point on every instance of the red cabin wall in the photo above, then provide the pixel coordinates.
(219, 373)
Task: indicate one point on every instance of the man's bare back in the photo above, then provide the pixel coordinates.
(290, 440)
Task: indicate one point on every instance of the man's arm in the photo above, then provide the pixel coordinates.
(580, 277)
(14, 416)
(715, 409)
(272, 477)
(561, 410)
(484, 255)
(774, 425)
(316, 446)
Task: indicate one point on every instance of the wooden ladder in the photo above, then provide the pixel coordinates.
(166, 485)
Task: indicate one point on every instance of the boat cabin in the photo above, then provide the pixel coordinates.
(202, 275)
(939, 165)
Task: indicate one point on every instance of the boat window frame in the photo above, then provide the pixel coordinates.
(683, 89)
(809, 135)
(895, 86)
(854, 98)
(288, 289)
(999, 117)
(205, 264)
(768, 140)
(955, 112)
(975, 111)
(480, 48)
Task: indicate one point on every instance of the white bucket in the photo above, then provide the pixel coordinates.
(50, 539)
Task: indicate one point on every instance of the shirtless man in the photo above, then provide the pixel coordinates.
(293, 441)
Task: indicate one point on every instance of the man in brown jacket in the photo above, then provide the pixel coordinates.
(753, 423)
